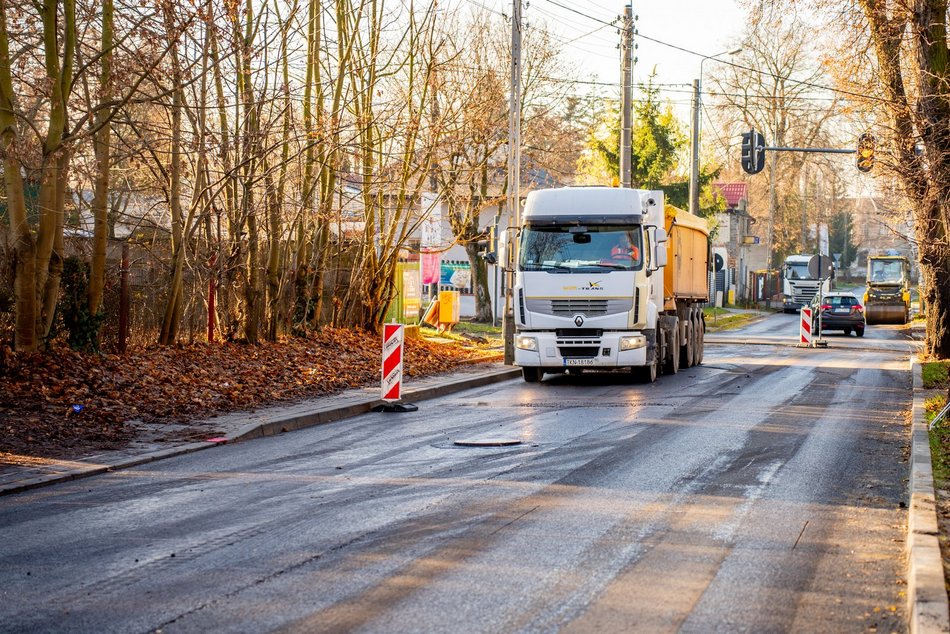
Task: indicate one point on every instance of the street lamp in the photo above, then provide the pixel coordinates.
(696, 132)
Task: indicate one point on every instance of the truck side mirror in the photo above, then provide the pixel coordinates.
(659, 260)
(661, 236)
(502, 250)
(504, 245)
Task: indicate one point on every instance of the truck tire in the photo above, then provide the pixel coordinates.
(700, 337)
(646, 373)
(686, 350)
(531, 375)
(672, 363)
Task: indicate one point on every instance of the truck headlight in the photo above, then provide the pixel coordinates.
(632, 342)
(523, 342)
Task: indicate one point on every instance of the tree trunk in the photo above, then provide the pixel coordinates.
(483, 304)
(23, 244)
(102, 150)
(174, 302)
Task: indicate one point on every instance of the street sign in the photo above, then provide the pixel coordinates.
(821, 267)
(718, 262)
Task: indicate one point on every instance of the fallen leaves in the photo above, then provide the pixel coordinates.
(38, 391)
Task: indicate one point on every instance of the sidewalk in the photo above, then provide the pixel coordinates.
(24, 472)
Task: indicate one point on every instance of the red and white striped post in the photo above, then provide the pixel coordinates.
(805, 338)
(393, 339)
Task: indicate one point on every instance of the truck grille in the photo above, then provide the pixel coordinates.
(586, 307)
(804, 294)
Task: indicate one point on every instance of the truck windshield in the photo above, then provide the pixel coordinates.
(797, 272)
(886, 272)
(568, 249)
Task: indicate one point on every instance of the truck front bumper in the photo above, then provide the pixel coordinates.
(551, 352)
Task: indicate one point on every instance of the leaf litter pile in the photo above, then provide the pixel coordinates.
(62, 403)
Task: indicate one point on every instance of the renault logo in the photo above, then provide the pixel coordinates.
(578, 320)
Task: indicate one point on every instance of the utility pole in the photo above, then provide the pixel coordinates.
(514, 181)
(773, 198)
(697, 132)
(694, 152)
(626, 80)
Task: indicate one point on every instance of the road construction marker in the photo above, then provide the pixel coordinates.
(393, 339)
(805, 335)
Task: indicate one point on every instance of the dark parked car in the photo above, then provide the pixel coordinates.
(839, 311)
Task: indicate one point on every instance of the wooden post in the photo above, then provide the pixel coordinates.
(124, 299)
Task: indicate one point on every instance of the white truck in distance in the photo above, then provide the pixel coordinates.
(608, 278)
(798, 285)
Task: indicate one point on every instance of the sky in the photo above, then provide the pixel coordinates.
(590, 39)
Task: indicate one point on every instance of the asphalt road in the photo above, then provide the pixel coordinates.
(760, 492)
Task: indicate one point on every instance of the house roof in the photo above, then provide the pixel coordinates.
(733, 192)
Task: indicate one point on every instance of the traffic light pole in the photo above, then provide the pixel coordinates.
(822, 150)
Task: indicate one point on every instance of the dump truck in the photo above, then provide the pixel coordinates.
(887, 298)
(608, 278)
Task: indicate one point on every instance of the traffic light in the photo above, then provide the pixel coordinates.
(753, 152)
(866, 143)
(747, 162)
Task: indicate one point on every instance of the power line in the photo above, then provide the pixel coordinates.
(763, 72)
(582, 14)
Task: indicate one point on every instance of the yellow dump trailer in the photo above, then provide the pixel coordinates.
(685, 284)
(686, 278)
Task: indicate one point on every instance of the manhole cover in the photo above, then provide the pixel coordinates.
(488, 442)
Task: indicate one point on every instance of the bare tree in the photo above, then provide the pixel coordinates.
(773, 87)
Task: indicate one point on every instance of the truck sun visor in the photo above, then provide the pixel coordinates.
(566, 221)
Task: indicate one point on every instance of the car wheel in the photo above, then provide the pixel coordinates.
(847, 331)
(859, 332)
(531, 375)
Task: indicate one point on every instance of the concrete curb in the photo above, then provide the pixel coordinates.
(927, 604)
(316, 416)
(321, 416)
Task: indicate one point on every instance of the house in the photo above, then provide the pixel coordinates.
(734, 241)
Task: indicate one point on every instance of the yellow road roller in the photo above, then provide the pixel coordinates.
(887, 299)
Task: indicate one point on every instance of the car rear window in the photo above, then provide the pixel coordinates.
(840, 301)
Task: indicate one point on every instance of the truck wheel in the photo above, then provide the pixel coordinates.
(672, 365)
(686, 350)
(531, 375)
(700, 338)
(646, 373)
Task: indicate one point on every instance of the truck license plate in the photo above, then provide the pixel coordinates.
(578, 362)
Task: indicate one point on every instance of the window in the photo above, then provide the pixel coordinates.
(837, 301)
(596, 248)
(887, 271)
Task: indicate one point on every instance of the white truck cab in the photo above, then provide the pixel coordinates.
(589, 283)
